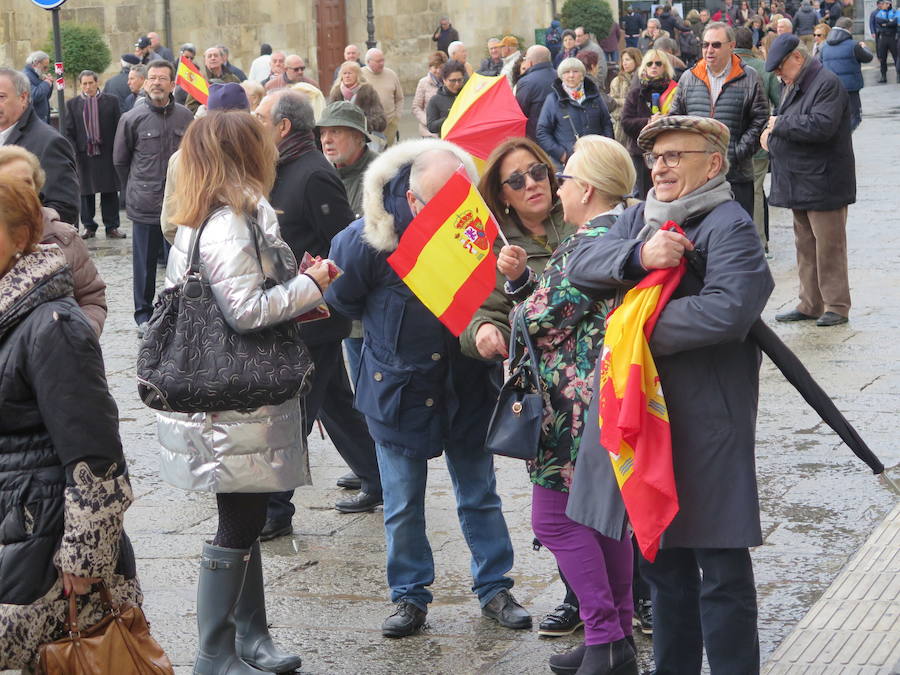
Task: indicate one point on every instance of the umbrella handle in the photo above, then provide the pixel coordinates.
(892, 483)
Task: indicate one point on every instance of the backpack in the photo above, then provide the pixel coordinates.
(689, 44)
(552, 38)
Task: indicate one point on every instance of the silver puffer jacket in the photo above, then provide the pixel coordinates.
(263, 450)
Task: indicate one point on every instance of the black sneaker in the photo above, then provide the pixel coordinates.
(406, 620)
(361, 502)
(276, 528)
(563, 620)
(643, 617)
(504, 609)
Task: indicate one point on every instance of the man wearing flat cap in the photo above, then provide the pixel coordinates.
(710, 374)
(814, 175)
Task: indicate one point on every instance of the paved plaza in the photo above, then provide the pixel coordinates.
(326, 585)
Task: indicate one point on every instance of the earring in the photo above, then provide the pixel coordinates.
(584, 200)
(506, 210)
(18, 254)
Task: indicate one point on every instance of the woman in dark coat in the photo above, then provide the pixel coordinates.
(91, 121)
(351, 86)
(656, 77)
(453, 76)
(568, 328)
(64, 485)
(573, 108)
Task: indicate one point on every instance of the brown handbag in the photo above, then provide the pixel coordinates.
(120, 643)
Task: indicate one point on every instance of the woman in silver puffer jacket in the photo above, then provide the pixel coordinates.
(226, 168)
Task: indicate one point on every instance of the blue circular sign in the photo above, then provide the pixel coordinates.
(48, 4)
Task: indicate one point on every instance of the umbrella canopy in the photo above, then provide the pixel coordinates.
(484, 114)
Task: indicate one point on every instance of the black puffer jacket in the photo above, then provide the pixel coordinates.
(810, 147)
(438, 108)
(741, 106)
(51, 374)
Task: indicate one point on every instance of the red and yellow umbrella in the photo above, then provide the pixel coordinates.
(484, 114)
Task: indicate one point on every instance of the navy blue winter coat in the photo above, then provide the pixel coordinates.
(418, 392)
(40, 94)
(841, 54)
(562, 121)
(531, 92)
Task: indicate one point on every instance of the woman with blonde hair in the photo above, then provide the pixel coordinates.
(621, 85)
(255, 92)
(225, 172)
(649, 99)
(351, 86)
(567, 327)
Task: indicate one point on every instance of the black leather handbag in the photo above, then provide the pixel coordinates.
(191, 360)
(515, 426)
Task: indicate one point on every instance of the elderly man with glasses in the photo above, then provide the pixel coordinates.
(814, 175)
(294, 69)
(710, 374)
(722, 87)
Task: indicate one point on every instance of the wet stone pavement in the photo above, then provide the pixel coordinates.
(326, 586)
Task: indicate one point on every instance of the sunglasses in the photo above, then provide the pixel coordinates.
(818, 35)
(658, 64)
(714, 45)
(516, 180)
(562, 178)
(300, 68)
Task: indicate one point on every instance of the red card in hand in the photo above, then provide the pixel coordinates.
(320, 311)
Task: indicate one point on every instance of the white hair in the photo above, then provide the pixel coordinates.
(374, 51)
(453, 47)
(37, 57)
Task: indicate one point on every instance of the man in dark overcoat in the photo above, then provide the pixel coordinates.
(814, 175)
(20, 125)
(91, 122)
(709, 372)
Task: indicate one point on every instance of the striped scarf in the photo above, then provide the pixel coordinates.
(91, 115)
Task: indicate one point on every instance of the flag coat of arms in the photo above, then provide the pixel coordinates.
(446, 255)
(634, 420)
(190, 79)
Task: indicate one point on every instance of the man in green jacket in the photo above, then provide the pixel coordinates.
(345, 139)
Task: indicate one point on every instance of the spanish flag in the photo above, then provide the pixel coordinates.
(446, 255)
(634, 419)
(190, 79)
(484, 114)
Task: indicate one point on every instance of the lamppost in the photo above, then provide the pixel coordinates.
(370, 25)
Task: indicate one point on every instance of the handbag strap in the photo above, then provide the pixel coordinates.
(105, 599)
(519, 328)
(193, 269)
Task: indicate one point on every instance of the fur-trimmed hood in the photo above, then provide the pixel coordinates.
(384, 189)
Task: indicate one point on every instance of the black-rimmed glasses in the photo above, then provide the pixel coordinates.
(671, 158)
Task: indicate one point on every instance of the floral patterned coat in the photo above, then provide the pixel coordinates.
(567, 328)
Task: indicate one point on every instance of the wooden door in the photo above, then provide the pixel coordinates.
(331, 38)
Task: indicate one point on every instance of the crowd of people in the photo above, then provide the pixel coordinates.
(662, 119)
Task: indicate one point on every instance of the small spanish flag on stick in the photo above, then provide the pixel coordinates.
(634, 418)
(190, 79)
(446, 255)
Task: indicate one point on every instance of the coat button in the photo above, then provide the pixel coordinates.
(435, 357)
(378, 377)
(429, 402)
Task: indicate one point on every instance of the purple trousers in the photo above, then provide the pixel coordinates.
(597, 568)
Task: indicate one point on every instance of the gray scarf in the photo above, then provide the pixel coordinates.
(697, 203)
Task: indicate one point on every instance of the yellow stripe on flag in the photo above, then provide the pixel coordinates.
(449, 251)
(475, 88)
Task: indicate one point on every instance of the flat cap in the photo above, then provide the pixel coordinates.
(227, 96)
(131, 59)
(344, 114)
(781, 47)
(712, 130)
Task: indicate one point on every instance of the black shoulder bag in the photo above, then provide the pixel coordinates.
(515, 426)
(190, 359)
